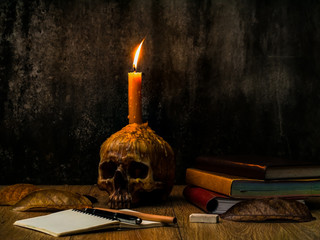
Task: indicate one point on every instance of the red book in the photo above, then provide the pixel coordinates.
(209, 201)
(258, 167)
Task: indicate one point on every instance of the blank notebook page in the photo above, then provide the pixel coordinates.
(64, 222)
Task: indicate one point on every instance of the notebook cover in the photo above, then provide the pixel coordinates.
(66, 222)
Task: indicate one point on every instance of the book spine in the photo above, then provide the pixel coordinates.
(209, 181)
(216, 164)
(199, 197)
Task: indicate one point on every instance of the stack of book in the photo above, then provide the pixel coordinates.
(217, 183)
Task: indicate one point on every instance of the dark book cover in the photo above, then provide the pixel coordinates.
(258, 167)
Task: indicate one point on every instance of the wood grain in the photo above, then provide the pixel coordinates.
(239, 230)
(176, 206)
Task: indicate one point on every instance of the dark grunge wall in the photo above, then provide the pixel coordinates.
(220, 77)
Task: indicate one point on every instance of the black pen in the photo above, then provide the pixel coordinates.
(115, 216)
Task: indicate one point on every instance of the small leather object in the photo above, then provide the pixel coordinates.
(266, 209)
(51, 199)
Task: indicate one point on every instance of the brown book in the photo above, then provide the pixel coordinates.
(240, 187)
(258, 167)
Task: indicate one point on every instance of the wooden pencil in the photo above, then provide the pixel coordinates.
(144, 216)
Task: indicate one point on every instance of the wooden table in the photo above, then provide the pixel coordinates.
(175, 206)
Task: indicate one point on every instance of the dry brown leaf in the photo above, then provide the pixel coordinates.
(51, 199)
(268, 209)
(10, 195)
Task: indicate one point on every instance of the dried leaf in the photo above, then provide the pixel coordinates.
(10, 195)
(268, 209)
(51, 199)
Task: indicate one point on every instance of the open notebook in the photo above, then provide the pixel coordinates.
(75, 221)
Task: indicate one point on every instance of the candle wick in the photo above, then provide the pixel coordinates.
(134, 69)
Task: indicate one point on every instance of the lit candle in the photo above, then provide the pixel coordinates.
(134, 91)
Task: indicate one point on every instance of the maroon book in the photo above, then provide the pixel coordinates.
(258, 167)
(208, 201)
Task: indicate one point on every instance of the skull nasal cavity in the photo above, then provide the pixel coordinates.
(120, 180)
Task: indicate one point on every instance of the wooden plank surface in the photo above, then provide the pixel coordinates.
(10, 232)
(175, 206)
(239, 230)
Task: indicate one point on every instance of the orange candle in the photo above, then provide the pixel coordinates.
(134, 91)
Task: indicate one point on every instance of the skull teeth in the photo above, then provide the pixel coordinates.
(120, 200)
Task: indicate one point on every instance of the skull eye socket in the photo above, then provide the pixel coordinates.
(108, 169)
(138, 170)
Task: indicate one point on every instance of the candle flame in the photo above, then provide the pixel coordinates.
(135, 62)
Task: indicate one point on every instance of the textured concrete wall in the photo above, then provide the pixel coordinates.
(220, 77)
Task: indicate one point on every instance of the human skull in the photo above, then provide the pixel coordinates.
(136, 166)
